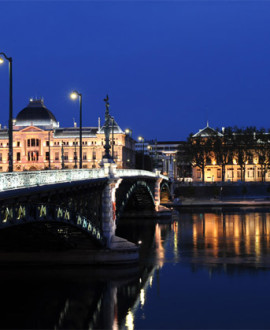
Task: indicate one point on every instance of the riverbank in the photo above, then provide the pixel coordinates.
(213, 202)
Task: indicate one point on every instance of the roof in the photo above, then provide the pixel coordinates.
(36, 114)
(207, 131)
(113, 127)
(74, 132)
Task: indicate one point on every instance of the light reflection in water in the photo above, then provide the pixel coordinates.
(129, 320)
(222, 234)
(142, 297)
(160, 251)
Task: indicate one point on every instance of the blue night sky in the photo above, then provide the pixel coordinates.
(167, 66)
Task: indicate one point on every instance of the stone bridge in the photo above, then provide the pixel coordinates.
(71, 206)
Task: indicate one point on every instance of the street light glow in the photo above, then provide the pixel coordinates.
(74, 95)
(1, 60)
(140, 138)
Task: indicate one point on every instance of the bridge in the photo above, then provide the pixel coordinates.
(74, 208)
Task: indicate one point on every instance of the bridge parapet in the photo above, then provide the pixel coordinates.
(17, 180)
(134, 172)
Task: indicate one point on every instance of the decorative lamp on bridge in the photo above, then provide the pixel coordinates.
(10, 120)
(74, 95)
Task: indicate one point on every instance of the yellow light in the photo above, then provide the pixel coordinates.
(127, 131)
(73, 95)
(140, 138)
(1, 60)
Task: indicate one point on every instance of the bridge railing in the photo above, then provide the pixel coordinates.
(134, 172)
(17, 180)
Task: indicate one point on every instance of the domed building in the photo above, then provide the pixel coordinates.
(40, 143)
(36, 114)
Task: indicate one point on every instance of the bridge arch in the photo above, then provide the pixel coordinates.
(27, 213)
(139, 194)
(165, 192)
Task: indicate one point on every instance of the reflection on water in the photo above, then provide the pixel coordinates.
(193, 273)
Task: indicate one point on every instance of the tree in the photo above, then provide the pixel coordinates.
(200, 152)
(223, 149)
(263, 152)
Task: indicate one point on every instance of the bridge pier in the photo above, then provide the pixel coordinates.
(108, 209)
(157, 192)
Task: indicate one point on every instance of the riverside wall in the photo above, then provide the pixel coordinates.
(241, 190)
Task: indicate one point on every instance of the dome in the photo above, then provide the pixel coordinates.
(36, 114)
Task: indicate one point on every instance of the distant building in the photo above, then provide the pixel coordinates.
(164, 156)
(39, 143)
(230, 155)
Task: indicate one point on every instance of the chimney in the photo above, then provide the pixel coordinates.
(98, 123)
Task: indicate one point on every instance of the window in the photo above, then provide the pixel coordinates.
(0, 157)
(198, 174)
(18, 143)
(250, 159)
(94, 155)
(56, 156)
(32, 142)
(250, 173)
(208, 160)
(219, 173)
(32, 156)
(239, 173)
(84, 156)
(75, 155)
(230, 173)
(47, 155)
(18, 156)
(66, 156)
(259, 173)
(47, 143)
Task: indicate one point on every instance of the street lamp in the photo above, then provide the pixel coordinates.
(10, 121)
(75, 154)
(128, 131)
(74, 95)
(141, 139)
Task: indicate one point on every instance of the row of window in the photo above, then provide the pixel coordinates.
(230, 173)
(34, 155)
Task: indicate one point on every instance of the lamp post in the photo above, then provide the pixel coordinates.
(62, 154)
(74, 95)
(49, 136)
(75, 156)
(141, 139)
(107, 146)
(128, 131)
(112, 119)
(10, 121)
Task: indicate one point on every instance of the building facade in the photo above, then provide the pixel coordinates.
(164, 156)
(40, 143)
(230, 155)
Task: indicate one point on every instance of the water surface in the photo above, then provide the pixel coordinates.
(207, 270)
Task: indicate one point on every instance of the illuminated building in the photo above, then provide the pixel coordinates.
(167, 156)
(230, 155)
(40, 143)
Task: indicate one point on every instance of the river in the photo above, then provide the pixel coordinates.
(208, 269)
